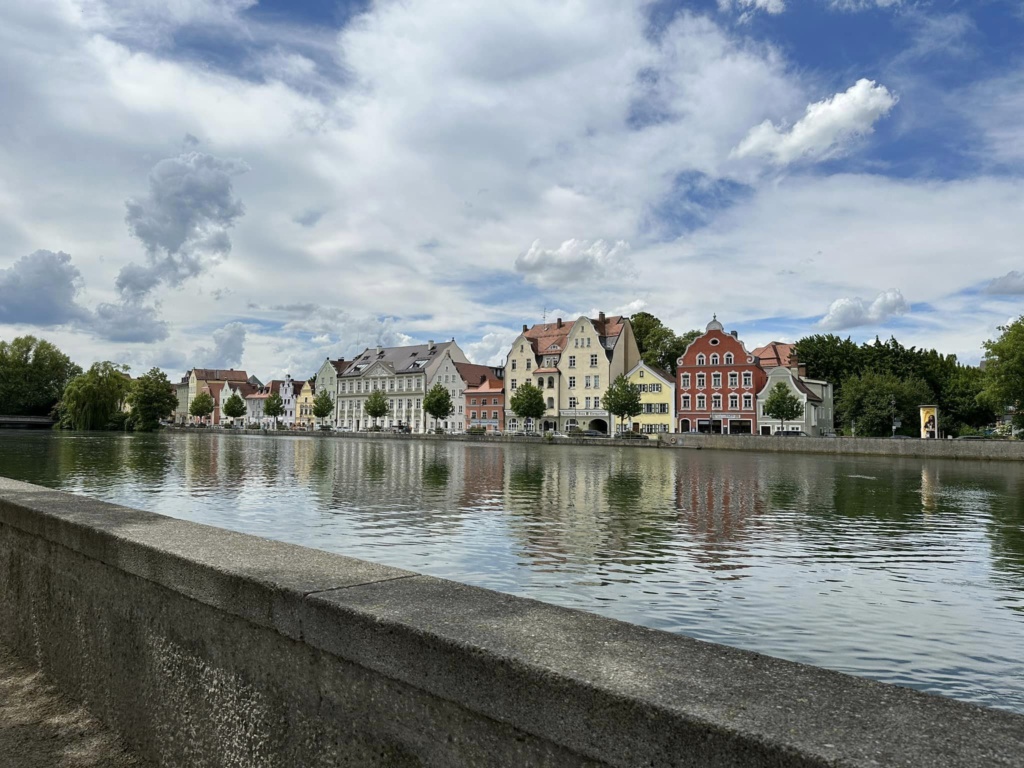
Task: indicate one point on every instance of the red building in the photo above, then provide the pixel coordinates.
(484, 393)
(717, 381)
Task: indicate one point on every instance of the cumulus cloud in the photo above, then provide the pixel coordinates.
(226, 352)
(41, 289)
(578, 261)
(850, 313)
(183, 221)
(768, 6)
(825, 127)
(1010, 284)
(129, 322)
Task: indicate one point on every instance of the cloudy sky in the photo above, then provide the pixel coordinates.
(264, 184)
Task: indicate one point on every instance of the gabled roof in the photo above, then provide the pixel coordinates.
(217, 374)
(773, 354)
(550, 338)
(340, 365)
(411, 359)
(477, 376)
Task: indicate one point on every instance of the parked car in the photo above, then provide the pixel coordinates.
(632, 436)
(593, 433)
(791, 433)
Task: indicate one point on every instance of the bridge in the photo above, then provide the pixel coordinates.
(38, 422)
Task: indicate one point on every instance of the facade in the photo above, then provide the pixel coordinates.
(180, 415)
(254, 402)
(657, 398)
(484, 396)
(717, 382)
(815, 395)
(402, 373)
(243, 390)
(573, 364)
(326, 380)
(200, 379)
(304, 418)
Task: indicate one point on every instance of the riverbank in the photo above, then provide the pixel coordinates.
(207, 647)
(970, 450)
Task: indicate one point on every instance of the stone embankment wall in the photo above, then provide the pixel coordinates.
(205, 647)
(868, 446)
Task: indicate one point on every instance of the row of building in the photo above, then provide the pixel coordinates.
(719, 387)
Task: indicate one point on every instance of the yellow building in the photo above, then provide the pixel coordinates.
(657, 398)
(304, 418)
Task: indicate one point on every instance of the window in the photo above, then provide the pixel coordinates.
(572, 361)
(662, 407)
(593, 362)
(494, 401)
(472, 401)
(734, 379)
(597, 382)
(460, 410)
(586, 382)
(551, 382)
(685, 381)
(702, 381)
(540, 383)
(686, 403)
(513, 385)
(716, 402)
(641, 374)
(529, 364)
(494, 414)
(734, 402)
(716, 381)
(572, 382)
(748, 401)
(513, 365)
(576, 343)
(702, 402)
(587, 401)
(701, 360)
(655, 387)
(597, 402)
(748, 379)
(572, 402)
(714, 358)
(728, 358)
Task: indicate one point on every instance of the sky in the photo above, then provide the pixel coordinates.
(263, 185)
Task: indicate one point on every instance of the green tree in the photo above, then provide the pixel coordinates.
(273, 407)
(234, 407)
(377, 405)
(437, 403)
(323, 405)
(623, 399)
(872, 400)
(528, 402)
(93, 400)
(1004, 371)
(782, 404)
(201, 405)
(33, 376)
(152, 398)
(658, 344)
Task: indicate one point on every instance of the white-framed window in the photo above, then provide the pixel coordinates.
(702, 402)
(597, 382)
(734, 402)
(587, 401)
(728, 358)
(586, 382)
(748, 402)
(716, 381)
(714, 358)
(701, 360)
(572, 361)
(513, 365)
(702, 380)
(716, 402)
(494, 414)
(686, 403)
(472, 414)
(656, 387)
(748, 379)
(684, 381)
(540, 383)
(734, 379)
(572, 382)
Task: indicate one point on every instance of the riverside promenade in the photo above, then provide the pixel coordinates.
(205, 647)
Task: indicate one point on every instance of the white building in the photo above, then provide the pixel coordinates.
(815, 395)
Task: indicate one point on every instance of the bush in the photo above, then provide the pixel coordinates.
(476, 431)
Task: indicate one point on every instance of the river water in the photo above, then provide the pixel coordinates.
(902, 570)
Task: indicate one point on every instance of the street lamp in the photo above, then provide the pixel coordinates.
(892, 404)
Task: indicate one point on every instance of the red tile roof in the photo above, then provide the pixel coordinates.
(773, 354)
(216, 374)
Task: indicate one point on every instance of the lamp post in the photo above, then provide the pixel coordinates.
(892, 405)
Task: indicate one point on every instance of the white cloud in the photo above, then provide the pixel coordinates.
(227, 350)
(850, 313)
(768, 6)
(824, 130)
(576, 262)
(1010, 284)
(41, 289)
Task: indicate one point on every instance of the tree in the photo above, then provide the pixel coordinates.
(201, 405)
(376, 405)
(437, 403)
(152, 398)
(33, 376)
(961, 403)
(782, 404)
(323, 405)
(873, 400)
(659, 346)
(1004, 371)
(234, 407)
(93, 399)
(273, 407)
(623, 399)
(528, 402)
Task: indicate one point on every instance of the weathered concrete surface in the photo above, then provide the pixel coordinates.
(42, 728)
(209, 648)
(997, 450)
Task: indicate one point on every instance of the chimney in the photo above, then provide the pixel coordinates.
(600, 316)
(524, 328)
(430, 344)
(559, 322)
(379, 349)
(734, 334)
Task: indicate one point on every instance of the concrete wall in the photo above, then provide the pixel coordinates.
(205, 647)
(876, 446)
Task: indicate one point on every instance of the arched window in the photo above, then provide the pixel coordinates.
(551, 402)
(714, 358)
(551, 382)
(540, 383)
(728, 358)
(684, 425)
(701, 360)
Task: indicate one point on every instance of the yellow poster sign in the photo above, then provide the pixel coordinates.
(929, 422)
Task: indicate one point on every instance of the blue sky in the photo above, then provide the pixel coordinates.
(265, 184)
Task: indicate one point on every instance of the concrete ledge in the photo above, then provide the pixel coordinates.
(997, 450)
(207, 647)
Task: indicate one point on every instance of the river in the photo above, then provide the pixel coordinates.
(906, 571)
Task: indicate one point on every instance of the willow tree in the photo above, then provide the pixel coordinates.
(92, 399)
